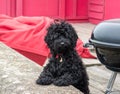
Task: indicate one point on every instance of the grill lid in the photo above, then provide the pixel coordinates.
(107, 34)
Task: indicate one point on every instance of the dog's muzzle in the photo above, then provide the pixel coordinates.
(61, 46)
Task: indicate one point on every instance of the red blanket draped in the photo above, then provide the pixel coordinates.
(26, 35)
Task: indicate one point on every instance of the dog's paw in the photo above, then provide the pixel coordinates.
(60, 83)
(42, 81)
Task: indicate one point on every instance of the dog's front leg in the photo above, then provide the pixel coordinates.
(46, 77)
(64, 80)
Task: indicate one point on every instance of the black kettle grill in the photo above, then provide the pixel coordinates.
(106, 40)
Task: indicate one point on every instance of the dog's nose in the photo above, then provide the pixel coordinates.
(62, 43)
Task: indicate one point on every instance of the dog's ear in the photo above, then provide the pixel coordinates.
(49, 38)
(71, 33)
(51, 30)
(74, 37)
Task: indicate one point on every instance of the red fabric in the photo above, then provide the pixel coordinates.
(27, 34)
(82, 51)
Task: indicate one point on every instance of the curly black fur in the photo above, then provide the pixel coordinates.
(65, 67)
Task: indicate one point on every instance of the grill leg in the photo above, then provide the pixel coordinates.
(111, 82)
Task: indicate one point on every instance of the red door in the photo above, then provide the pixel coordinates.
(51, 8)
(65, 9)
(76, 9)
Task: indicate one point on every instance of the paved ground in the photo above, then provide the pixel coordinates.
(18, 74)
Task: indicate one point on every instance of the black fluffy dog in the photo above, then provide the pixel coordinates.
(65, 67)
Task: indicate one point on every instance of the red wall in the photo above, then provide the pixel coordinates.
(112, 9)
(100, 10)
(74, 10)
(64, 9)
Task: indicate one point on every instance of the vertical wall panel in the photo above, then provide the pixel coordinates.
(11, 7)
(7, 7)
(3, 7)
(76, 9)
(82, 8)
(70, 9)
(19, 7)
(62, 9)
